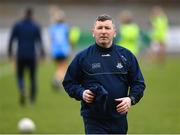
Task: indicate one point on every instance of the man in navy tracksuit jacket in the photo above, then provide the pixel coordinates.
(27, 34)
(100, 76)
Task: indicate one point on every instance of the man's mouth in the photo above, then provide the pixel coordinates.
(103, 37)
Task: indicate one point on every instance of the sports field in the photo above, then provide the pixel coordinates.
(55, 112)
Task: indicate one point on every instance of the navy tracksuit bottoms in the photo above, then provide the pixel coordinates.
(105, 126)
(30, 65)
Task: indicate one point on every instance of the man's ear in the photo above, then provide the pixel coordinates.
(93, 32)
(115, 34)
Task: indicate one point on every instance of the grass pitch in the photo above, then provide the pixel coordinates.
(55, 112)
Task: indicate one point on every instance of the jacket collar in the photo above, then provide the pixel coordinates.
(104, 49)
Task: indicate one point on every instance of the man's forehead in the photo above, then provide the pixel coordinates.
(107, 22)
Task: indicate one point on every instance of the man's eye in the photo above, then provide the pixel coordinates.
(99, 28)
(108, 28)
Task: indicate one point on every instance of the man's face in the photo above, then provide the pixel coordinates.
(104, 32)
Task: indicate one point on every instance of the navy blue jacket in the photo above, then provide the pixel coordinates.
(114, 68)
(28, 37)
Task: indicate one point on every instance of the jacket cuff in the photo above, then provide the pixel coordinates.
(133, 100)
(81, 93)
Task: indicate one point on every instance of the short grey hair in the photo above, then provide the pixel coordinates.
(104, 17)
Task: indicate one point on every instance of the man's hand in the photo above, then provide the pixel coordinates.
(123, 105)
(88, 96)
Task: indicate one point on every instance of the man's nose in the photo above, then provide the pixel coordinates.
(103, 30)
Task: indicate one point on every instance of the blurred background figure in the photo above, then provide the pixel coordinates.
(26, 34)
(159, 23)
(60, 44)
(74, 35)
(129, 32)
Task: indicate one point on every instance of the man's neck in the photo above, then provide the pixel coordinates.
(105, 45)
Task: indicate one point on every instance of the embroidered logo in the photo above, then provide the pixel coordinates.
(96, 65)
(119, 65)
(105, 55)
(123, 58)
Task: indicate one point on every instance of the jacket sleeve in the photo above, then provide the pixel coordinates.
(72, 80)
(13, 36)
(136, 81)
(39, 41)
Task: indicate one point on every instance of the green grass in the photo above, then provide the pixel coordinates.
(159, 110)
(55, 112)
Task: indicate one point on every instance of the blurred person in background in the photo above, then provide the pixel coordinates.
(26, 33)
(159, 23)
(106, 78)
(60, 44)
(129, 32)
(74, 36)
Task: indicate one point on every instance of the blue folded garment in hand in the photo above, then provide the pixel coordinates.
(101, 96)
